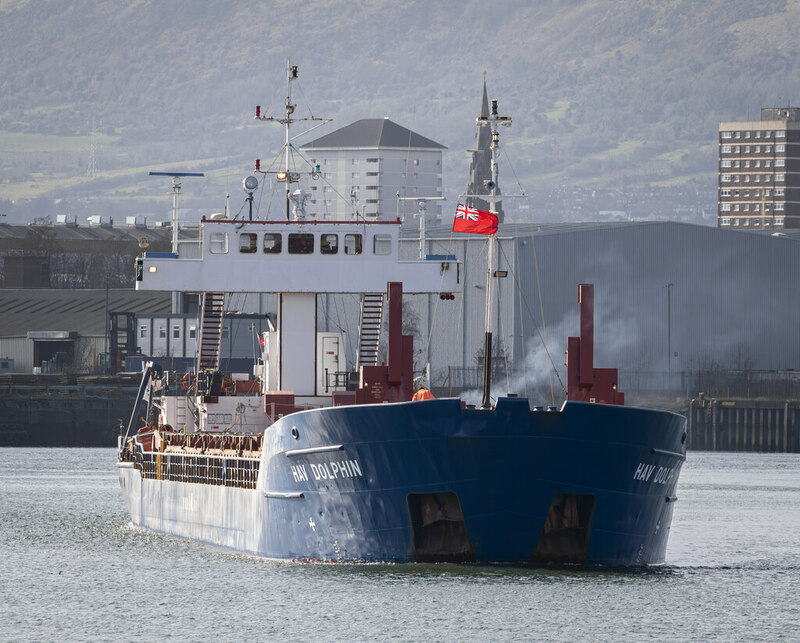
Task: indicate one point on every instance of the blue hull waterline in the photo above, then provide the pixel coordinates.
(432, 481)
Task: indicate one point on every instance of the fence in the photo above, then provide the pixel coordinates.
(202, 469)
(743, 425)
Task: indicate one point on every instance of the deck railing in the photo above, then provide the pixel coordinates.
(221, 470)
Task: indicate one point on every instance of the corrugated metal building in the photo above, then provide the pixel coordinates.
(717, 298)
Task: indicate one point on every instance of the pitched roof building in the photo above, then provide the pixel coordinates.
(367, 165)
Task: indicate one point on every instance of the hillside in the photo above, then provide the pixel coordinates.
(622, 93)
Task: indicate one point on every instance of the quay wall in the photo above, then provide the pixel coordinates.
(767, 426)
(63, 410)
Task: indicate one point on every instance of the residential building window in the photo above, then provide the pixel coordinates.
(757, 164)
(780, 134)
(778, 220)
(726, 163)
(779, 207)
(726, 149)
(724, 192)
(780, 148)
(757, 149)
(176, 332)
(767, 148)
(766, 192)
(757, 178)
(192, 332)
(756, 192)
(756, 208)
(143, 331)
(758, 134)
(745, 222)
(725, 207)
(725, 221)
(747, 193)
(162, 332)
(766, 207)
(746, 207)
(737, 135)
(780, 177)
(747, 149)
(780, 162)
(737, 164)
(726, 134)
(747, 134)
(778, 192)
(747, 163)
(735, 178)
(736, 149)
(735, 207)
(747, 178)
(736, 193)
(736, 221)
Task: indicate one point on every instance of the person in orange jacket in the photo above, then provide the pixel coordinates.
(422, 392)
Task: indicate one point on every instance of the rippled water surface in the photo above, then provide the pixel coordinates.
(73, 568)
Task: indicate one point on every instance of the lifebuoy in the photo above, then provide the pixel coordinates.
(188, 381)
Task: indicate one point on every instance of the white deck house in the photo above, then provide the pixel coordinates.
(364, 166)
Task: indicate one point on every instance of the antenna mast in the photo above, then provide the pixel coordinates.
(176, 188)
(286, 175)
(493, 121)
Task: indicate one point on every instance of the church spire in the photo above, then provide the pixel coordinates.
(480, 169)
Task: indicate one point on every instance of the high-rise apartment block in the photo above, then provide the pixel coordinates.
(759, 171)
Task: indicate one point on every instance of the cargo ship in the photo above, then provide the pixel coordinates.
(315, 461)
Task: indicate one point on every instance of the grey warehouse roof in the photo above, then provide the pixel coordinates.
(373, 132)
(23, 310)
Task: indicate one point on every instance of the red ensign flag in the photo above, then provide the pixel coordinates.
(474, 221)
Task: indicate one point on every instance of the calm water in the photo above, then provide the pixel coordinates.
(73, 568)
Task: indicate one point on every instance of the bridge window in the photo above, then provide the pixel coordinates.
(329, 244)
(248, 242)
(272, 243)
(352, 244)
(382, 244)
(218, 243)
(301, 243)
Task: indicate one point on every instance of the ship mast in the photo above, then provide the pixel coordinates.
(286, 175)
(493, 121)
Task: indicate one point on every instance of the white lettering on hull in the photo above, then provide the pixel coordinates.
(663, 475)
(327, 470)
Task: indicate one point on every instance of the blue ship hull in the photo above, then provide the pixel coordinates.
(430, 481)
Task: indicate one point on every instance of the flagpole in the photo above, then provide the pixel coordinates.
(493, 120)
